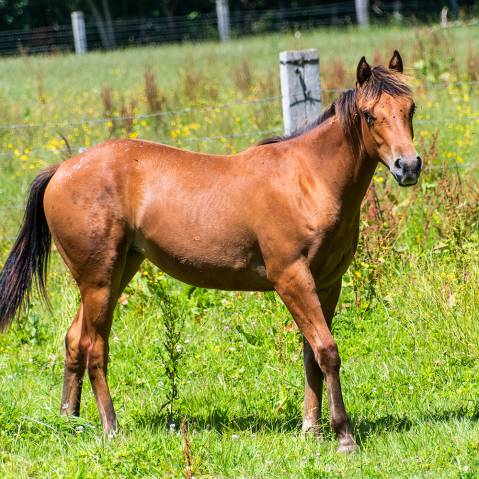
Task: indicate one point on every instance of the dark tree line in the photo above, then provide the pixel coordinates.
(19, 14)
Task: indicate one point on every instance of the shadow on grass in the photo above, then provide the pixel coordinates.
(222, 421)
(364, 429)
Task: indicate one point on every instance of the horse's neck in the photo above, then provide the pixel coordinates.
(348, 175)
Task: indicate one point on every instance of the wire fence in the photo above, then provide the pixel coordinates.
(203, 25)
(140, 116)
(202, 139)
(18, 150)
(189, 110)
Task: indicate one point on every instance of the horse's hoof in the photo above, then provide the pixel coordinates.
(347, 447)
(312, 429)
(111, 432)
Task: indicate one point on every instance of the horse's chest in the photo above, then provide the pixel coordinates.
(334, 255)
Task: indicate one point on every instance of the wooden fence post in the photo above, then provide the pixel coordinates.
(79, 33)
(300, 88)
(362, 14)
(223, 14)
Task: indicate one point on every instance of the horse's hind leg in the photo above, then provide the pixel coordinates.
(87, 338)
(100, 301)
(75, 364)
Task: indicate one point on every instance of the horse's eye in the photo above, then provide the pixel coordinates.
(412, 111)
(369, 118)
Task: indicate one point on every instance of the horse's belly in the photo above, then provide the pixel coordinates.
(216, 265)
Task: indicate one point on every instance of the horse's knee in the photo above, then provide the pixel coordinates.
(328, 358)
(76, 347)
(97, 355)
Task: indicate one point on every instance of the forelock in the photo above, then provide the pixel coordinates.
(382, 81)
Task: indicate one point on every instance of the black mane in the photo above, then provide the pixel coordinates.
(328, 113)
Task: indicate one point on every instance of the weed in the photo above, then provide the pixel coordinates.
(171, 354)
(155, 99)
(40, 88)
(243, 77)
(432, 54)
(188, 472)
(127, 114)
(108, 107)
(472, 65)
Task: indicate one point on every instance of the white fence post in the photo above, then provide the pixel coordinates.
(362, 13)
(223, 14)
(444, 17)
(79, 33)
(300, 88)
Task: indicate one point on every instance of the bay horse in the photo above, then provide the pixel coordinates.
(282, 215)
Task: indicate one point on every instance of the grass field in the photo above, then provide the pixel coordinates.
(408, 320)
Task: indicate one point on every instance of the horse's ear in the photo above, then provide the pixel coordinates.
(363, 71)
(396, 62)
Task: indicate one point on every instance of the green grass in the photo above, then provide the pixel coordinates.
(410, 378)
(409, 363)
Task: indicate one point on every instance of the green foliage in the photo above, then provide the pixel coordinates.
(171, 354)
(30, 330)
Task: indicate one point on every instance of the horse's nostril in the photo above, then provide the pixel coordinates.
(419, 162)
(398, 164)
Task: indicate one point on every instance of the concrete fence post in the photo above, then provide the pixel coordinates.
(362, 13)
(79, 32)
(444, 12)
(223, 14)
(300, 88)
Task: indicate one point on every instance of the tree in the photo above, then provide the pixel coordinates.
(104, 22)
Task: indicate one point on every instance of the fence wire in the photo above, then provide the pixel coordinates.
(189, 110)
(205, 139)
(140, 116)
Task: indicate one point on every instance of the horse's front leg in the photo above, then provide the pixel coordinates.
(295, 284)
(313, 391)
(313, 376)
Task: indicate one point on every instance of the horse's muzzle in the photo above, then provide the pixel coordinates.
(407, 172)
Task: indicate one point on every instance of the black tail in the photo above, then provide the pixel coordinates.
(28, 258)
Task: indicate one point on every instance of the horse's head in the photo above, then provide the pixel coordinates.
(386, 107)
